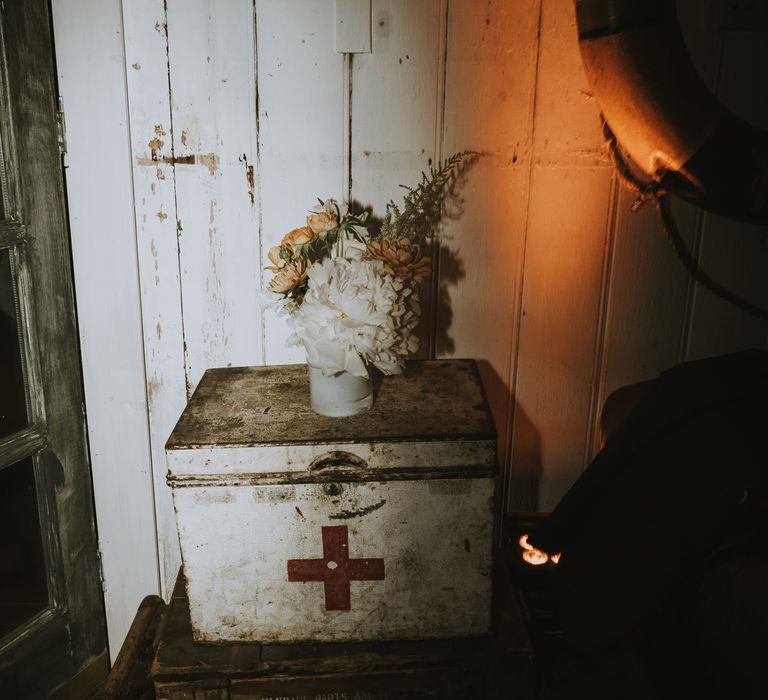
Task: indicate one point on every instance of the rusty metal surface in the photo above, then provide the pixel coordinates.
(270, 405)
(338, 561)
(502, 661)
(298, 527)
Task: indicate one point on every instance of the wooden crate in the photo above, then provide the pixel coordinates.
(494, 667)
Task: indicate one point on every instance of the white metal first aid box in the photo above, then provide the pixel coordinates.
(299, 527)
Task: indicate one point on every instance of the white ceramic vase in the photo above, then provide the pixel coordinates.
(341, 394)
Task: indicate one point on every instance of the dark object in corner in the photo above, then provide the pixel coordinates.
(129, 678)
(664, 538)
(491, 667)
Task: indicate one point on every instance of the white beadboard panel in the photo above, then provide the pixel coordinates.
(353, 26)
(108, 302)
(568, 236)
(480, 268)
(733, 253)
(490, 78)
(158, 252)
(562, 301)
(489, 96)
(736, 255)
(646, 306)
(213, 101)
(301, 129)
(396, 111)
(567, 122)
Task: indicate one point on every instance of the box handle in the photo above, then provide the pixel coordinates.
(337, 460)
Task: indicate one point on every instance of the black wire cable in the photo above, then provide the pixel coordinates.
(659, 194)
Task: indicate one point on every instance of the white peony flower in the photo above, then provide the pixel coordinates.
(352, 314)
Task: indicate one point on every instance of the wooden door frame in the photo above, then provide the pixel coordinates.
(71, 633)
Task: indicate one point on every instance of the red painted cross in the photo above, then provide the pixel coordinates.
(336, 569)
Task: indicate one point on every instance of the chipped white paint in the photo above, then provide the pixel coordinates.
(489, 102)
(353, 26)
(286, 459)
(559, 294)
(144, 22)
(404, 492)
(394, 140)
(108, 305)
(301, 128)
(212, 83)
(432, 537)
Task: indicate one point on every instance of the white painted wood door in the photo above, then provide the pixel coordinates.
(221, 122)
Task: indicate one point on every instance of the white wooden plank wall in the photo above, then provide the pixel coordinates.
(242, 114)
(211, 50)
(734, 253)
(394, 140)
(489, 97)
(105, 264)
(568, 234)
(302, 131)
(146, 51)
(650, 296)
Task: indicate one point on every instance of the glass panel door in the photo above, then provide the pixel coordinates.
(13, 401)
(51, 607)
(23, 575)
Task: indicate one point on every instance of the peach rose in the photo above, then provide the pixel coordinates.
(401, 258)
(296, 238)
(321, 223)
(275, 259)
(289, 276)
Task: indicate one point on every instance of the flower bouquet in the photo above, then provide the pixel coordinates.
(351, 295)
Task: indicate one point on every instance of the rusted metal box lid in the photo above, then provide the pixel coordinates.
(434, 416)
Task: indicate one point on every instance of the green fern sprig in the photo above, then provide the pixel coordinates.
(422, 205)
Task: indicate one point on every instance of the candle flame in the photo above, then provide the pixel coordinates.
(533, 556)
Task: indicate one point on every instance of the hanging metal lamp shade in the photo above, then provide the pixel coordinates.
(669, 126)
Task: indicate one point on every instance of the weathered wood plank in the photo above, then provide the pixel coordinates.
(559, 329)
(396, 113)
(646, 300)
(146, 49)
(256, 405)
(503, 659)
(20, 445)
(489, 100)
(733, 253)
(301, 99)
(212, 83)
(106, 273)
(11, 233)
(67, 519)
(130, 675)
(568, 231)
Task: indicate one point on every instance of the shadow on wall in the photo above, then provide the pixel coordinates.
(450, 270)
(434, 298)
(521, 485)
